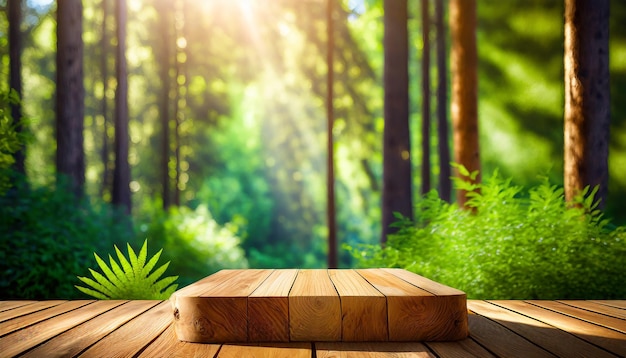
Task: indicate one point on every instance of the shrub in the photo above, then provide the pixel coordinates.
(512, 246)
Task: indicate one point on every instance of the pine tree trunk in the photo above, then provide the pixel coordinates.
(104, 70)
(70, 95)
(15, 74)
(397, 179)
(587, 97)
(445, 186)
(330, 163)
(464, 111)
(121, 172)
(425, 97)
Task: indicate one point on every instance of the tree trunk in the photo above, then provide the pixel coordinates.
(425, 97)
(15, 74)
(70, 94)
(397, 179)
(330, 163)
(464, 60)
(121, 172)
(587, 97)
(164, 107)
(104, 69)
(445, 186)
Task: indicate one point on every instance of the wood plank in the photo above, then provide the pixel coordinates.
(597, 318)
(548, 337)
(613, 303)
(35, 317)
(77, 339)
(8, 305)
(168, 345)
(603, 337)
(220, 312)
(431, 286)
(363, 308)
(268, 308)
(27, 309)
(314, 308)
(24, 339)
(501, 341)
(415, 314)
(131, 338)
(196, 288)
(266, 350)
(371, 349)
(597, 307)
(465, 348)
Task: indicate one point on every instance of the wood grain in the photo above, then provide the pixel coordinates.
(25, 321)
(23, 339)
(77, 339)
(168, 345)
(9, 305)
(597, 307)
(220, 312)
(314, 308)
(131, 338)
(593, 317)
(371, 350)
(26, 309)
(268, 308)
(269, 350)
(612, 303)
(465, 348)
(554, 340)
(363, 308)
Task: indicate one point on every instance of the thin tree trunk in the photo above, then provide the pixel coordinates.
(180, 101)
(15, 74)
(587, 97)
(70, 94)
(121, 172)
(425, 97)
(445, 186)
(330, 115)
(104, 68)
(397, 178)
(165, 64)
(464, 61)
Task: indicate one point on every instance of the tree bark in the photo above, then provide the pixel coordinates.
(425, 97)
(587, 97)
(121, 172)
(464, 111)
(445, 186)
(104, 69)
(397, 179)
(70, 94)
(165, 10)
(330, 162)
(15, 74)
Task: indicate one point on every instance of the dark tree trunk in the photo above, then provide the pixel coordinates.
(104, 69)
(445, 186)
(165, 10)
(425, 97)
(587, 97)
(70, 94)
(330, 115)
(15, 74)
(464, 60)
(121, 172)
(397, 180)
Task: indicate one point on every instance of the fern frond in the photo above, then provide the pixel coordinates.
(107, 271)
(151, 263)
(95, 285)
(91, 292)
(132, 256)
(128, 270)
(163, 283)
(117, 270)
(141, 258)
(157, 273)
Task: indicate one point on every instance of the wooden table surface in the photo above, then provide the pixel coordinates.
(144, 329)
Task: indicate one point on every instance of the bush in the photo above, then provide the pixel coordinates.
(192, 241)
(48, 237)
(512, 246)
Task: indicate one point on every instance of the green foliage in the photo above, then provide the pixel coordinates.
(513, 246)
(193, 242)
(130, 279)
(48, 237)
(10, 140)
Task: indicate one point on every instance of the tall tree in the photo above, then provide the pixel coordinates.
(121, 172)
(70, 94)
(425, 97)
(104, 71)
(445, 186)
(330, 115)
(15, 73)
(464, 62)
(165, 63)
(397, 189)
(587, 96)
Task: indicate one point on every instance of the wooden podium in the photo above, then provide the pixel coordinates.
(368, 305)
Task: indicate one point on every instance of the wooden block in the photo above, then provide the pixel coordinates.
(415, 314)
(314, 308)
(273, 350)
(268, 308)
(363, 308)
(219, 311)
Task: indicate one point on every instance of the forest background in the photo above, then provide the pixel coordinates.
(243, 86)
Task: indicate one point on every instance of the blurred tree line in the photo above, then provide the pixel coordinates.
(227, 124)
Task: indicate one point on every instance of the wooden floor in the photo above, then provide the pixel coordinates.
(144, 329)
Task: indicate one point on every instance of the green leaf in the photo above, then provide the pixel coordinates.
(107, 271)
(128, 269)
(91, 293)
(151, 263)
(157, 273)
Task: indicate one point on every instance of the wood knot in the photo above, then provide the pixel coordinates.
(176, 314)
